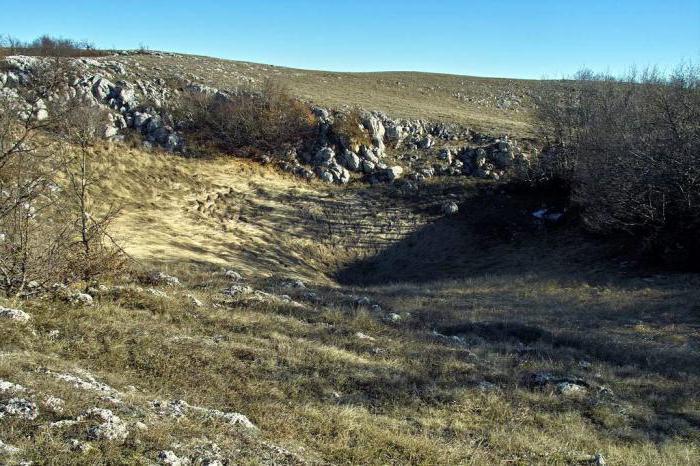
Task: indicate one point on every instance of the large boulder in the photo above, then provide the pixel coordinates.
(391, 174)
(367, 154)
(139, 119)
(394, 133)
(368, 166)
(449, 208)
(125, 95)
(375, 127)
(324, 157)
(340, 174)
(350, 160)
(102, 89)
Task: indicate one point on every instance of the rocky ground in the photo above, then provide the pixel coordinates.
(139, 103)
(417, 311)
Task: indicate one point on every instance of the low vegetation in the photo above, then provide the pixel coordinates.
(264, 119)
(53, 227)
(47, 46)
(212, 310)
(628, 152)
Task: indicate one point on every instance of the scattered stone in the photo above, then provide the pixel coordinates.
(111, 427)
(170, 458)
(362, 336)
(450, 208)
(8, 449)
(54, 404)
(485, 386)
(294, 283)
(83, 299)
(363, 301)
(160, 278)
(570, 389)
(179, 408)
(394, 317)
(89, 383)
(140, 426)
(78, 446)
(157, 293)
(237, 290)
(6, 386)
(194, 301)
(19, 407)
(14, 314)
(233, 275)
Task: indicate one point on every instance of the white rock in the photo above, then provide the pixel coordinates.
(170, 458)
(363, 301)
(6, 386)
(78, 446)
(111, 427)
(393, 173)
(350, 160)
(233, 275)
(157, 293)
(81, 298)
(19, 407)
(14, 314)
(54, 404)
(363, 336)
(195, 302)
(163, 278)
(570, 389)
(88, 383)
(9, 449)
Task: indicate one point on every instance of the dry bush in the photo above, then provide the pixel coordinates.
(47, 46)
(630, 148)
(349, 130)
(53, 226)
(267, 119)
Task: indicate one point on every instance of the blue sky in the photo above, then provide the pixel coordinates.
(508, 38)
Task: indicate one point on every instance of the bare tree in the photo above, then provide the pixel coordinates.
(631, 152)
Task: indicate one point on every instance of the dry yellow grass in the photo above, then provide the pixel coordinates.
(329, 382)
(491, 105)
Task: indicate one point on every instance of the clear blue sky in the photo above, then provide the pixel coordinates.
(509, 38)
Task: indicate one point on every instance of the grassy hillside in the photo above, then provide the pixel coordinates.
(487, 104)
(495, 340)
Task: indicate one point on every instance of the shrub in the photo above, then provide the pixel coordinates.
(265, 119)
(349, 130)
(53, 224)
(47, 46)
(630, 149)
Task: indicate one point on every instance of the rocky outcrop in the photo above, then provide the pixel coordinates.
(389, 149)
